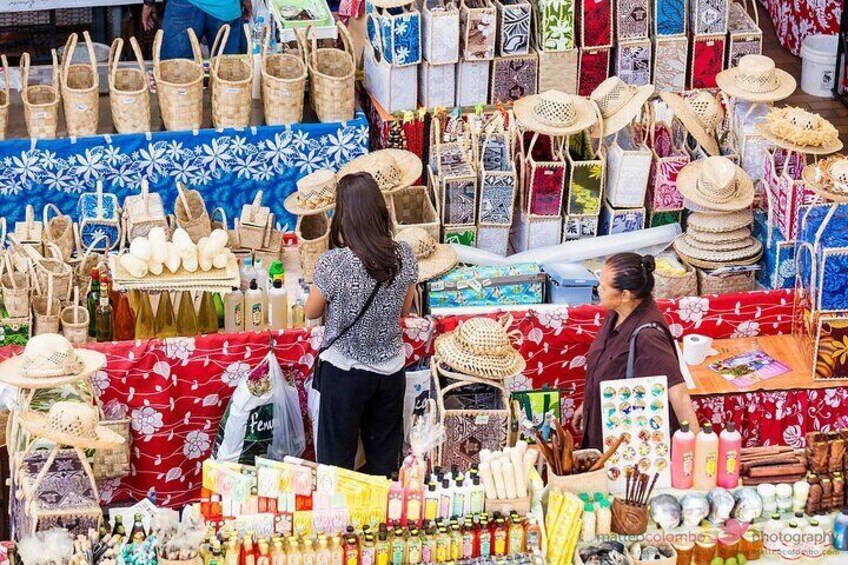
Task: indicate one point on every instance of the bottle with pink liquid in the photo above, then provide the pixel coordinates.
(682, 457)
(706, 459)
(729, 447)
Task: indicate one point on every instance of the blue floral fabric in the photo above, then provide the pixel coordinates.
(623, 220)
(227, 166)
(831, 254)
(399, 38)
(778, 263)
(670, 17)
(488, 286)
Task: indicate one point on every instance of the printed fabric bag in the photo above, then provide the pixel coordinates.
(823, 254)
(543, 178)
(628, 169)
(555, 25)
(389, 84)
(669, 159)
(453, 177)
(586, 168)
(596, 23)
(787, 192)
(396, 32)
(620, 220)
(143, 212)
(707, 61)
(513, 78)
(744, 33)
(482, 285)
(632, 20)
(514, 17)
(708, 17)
(99, 214)
(633, 62)
(670, 17)
(752, 145)
(478, 29)
(594, 69)
(440, 33)
(498, 178)
(670, 56)
(437, 85)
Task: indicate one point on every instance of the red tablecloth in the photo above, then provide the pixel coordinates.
(796, 19)
(176, 390)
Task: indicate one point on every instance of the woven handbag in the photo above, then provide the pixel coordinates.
(14, 286)
(628, 169)
(332, 72)
(231, 82)
(709, 283)
(46, 309)
(190, 211)
(179, 86)
(440, 33)
(676, 285)
(58, 230)
(52, 271)
(586, 172)
(255, 224)
(99, 213)
(283, 82)
(143, 212)
(41, 102)
(477, 30)
(543, 180)
(129, 93)
(412, 207)
(29, 232)
(744, 33)
(669, 158)
(80, 89)
(113, 463)
(4, 99)
(313, 239)
(74, 319)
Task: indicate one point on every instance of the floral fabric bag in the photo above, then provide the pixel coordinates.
(514, 18)
(99, 214)
(707, 61)
(596, 23)
(708, 17)
(555, 25)
(594, 69)
(478, 29)
(669, 159)
(670, 18)
(543, 181)
(396, 32)
(586, 167)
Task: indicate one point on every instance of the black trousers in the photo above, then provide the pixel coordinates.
(355, 403)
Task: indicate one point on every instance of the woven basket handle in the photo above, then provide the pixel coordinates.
(5, 64)
(24, 76)
(266, 43)
(55, 252)
(219, 211)
(49, 207)
(157, 50)
(29, 219)
(139, 58)
(3, 228)
(145, 193)
(67, 56)
(99, 193)
(249, 37)
(56, 73)
(313, 37)
(92, 59)
(183, 200)
(115, 51)
(218, 45)
(195, 46)
(257, 203)
(7, 262)
(346, 41)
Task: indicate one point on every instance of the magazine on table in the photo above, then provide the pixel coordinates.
(749, 368)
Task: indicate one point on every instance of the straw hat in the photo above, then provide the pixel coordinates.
(701, 115)
(712, 258)
(799, 130)
(828, 178)
(480, 347)
(719, 223)
(756, 79)
(716, 183)
(71, 423)
(49, 360)
(316, 193)
(619, 102)
(434, 258)
(392, 169)
(717, 238)
(554, 113)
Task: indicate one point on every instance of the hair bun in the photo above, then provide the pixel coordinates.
(649, 263)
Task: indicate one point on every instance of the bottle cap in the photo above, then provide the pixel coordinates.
(253, 285)
(814, 522)
(731, 427)
(589, 507)
(775, 516)
(445, 483)
(584, 496)
(684, 426)
(599, 496)
(605, 503)
(793, 524)
(708, 428)
(476, 480)
(278, 283)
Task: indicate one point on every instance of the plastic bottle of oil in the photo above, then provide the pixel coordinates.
(165, 324)
(187, 324)
(255, 307)
(234, 311)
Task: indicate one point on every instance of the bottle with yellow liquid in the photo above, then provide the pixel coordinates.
(215, 555)
(413, 547)
(231, 553)
(298, 315)
(187, 319)
(165, 323)
(500, 537)
(293, 553)
(443, 544)
(263, 557)
(144, 324)
(383, 548)
(455, 540)
(207, 316)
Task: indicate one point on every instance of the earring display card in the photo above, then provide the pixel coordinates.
(633, 62)
(638, 409)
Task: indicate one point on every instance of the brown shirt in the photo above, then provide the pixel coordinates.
(607, 361)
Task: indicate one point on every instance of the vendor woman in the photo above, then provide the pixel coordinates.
(363, 285)
(626, 283)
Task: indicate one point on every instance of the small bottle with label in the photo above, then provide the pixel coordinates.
(394, 511)
(442, 545)
(468, 539)
(398, 546)
(500, 537)
(431, 502)
(413, 547)
(516, 535)
(368, 550)
(445, 499)
(485, 537)
(383, 549)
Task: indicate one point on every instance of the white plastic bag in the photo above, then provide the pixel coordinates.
(289, 436)
(313, 404)
(415, 399)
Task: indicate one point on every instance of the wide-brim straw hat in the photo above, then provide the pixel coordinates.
(71, 423)
(719, 223)
(555, 113)
(316, 193)
(392, 169)
(700, 115)
(481, 347)
(713, 258)
(756, 79)
(434, 258)
(49, 360)
(828, 178)
(716, 183)
(796, 129)
(619, 102)
(718, 238)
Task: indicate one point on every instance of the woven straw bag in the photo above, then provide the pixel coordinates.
(58, 230)
(29, 232)
(113, 463)
(313, 239)
(332, 72)
(231, 82)
(179, 86)
(74, 319)
(412, 207)
(129, 94)
(14, 286)
(41, 102)
(100, 213)
(255, 224)
(191, 214)
(89, 259)
(218, 220)
(709, 283)
(80, 89)
(143, 212)
(676, 286)
(283, 83)
(45, 310)
(53, 272)
(4, 99)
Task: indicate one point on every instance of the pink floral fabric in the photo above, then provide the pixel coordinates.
(796, 19)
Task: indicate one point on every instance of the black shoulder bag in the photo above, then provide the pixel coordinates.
(631, 355)
(316, 367)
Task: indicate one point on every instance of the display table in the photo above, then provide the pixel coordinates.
(228, 166)
(796, 19)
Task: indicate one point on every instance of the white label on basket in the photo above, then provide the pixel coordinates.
(481, 419)
(181, 91)
(127, 100)
(232, 90)
(39, 115)
(80, 107)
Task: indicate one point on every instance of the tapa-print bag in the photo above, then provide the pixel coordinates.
(99, 214)
(478, 29)
(440, 34)
(707, 61)
(497, 176)
(708, 17)
(514, 18)
(513, 78)
(633, 62)
(594, 69)
(632, 20)
(543, 179)
(670, 56)
(669, 158)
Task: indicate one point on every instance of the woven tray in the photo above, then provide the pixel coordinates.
(214, 280)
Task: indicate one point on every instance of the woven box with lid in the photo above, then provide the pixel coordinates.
(255, 224)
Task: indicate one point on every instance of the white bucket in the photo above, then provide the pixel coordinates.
(819, 66)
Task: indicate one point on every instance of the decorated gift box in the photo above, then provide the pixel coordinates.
(744, 34)
(620, 220)
(707, 60)
(594, 69)
(513, 77)
(480, 285)
(558, 71)
(633, 62)
(437, 85)
(555, 25)
(579, 227)
(778, 264)
(632, 21)
(440, 33)
(514, 18)
(670, 18)
(708, 17)
(596, 23)
(670, 56)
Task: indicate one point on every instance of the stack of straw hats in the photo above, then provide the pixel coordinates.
(718, 232)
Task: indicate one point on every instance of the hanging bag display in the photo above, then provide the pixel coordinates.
(143, 212)
(283, 82)
(191, 214)
(100, 213)
(628, 169)
(555, 26)
(544, 180)
(632, 21)
(782, 178)
(387, 83)
(477, 27)
(58, 230)
(41, 102)
(596, 23)
(4, 99)
(80, 89)
(231, 82)
(129, 93)
(669, 69)
(179, 86)
(332, 73)
(670, 17)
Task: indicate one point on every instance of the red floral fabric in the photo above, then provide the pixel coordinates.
(597, 23)
(594, 69)
(794, 20)
(707, 62)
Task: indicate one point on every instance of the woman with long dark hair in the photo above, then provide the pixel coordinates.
(364, 284)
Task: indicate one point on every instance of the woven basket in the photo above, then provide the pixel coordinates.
(75, 320)
(283, 83)
(725, 283)
(4, 99)
(53, 273)
(412, 207)
(114, 463)
(46, 311)
(332, 72)
(231, 83)
(80, 89)
(15, 288)
(129, 94)
(179, 86)
(676, 286)
(41, 102)
(313, 239)
(255, 224)
(58, 230)
(191, 214)
(88, 260)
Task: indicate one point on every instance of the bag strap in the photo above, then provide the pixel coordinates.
(359, 316)
(631, 355)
